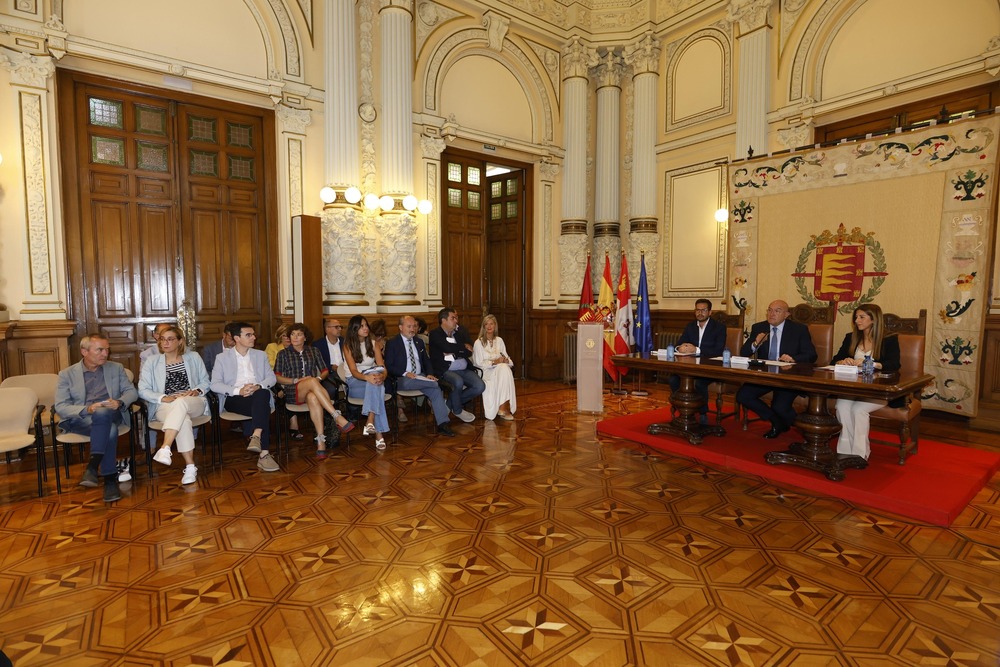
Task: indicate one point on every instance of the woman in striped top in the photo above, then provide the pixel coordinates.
(174, 384)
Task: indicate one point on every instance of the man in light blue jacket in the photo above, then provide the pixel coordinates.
(92, 399)
(242, 377)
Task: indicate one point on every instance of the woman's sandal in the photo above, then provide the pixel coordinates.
(380, 444)
(369, 429)
(295, 435)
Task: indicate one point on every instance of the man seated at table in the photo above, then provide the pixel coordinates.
(706, 338)
(779, 339)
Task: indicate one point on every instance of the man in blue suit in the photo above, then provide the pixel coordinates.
(781, 339)
(92, 399)
(406, 360)
(703, 337)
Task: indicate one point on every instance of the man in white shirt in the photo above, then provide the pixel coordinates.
(703, 337)
(331, 348)
(242, 377)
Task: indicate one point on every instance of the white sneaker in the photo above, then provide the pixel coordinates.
(190, 474)
(123, 471)
(163, 455)
(466, 416)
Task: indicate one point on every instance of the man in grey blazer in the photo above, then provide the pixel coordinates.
(92, 399)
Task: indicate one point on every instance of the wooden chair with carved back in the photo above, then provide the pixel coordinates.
(904, 420)
(735, 335)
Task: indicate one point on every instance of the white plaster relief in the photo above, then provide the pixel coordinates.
(294, 177)
(293, 120)
(429, 16)
(432, 171)
(496, 29)
(575, 59)
(27, 70)
(306, 7)
(366, 95)
(794, 137)
(543, 10)
(790, 11)
(640, 244)
(290, 39)
(795, 85)
(643, 55)
(27, 6)
(546, 239)
(572, 262)
(35, 180)
(397, 235)
(343, 256)
(550, 61)
(432, 147)
(750, 15)
(549, 170)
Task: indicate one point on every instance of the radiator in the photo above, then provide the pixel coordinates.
(569, 357)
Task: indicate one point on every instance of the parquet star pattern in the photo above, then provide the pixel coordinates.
(517, 543)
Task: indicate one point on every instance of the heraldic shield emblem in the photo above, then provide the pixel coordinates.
(839, 269)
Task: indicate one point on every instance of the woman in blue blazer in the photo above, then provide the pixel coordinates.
(174, 384)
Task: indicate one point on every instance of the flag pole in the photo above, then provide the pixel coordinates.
(642, 313)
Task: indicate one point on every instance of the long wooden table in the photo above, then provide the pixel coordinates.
(817, 424)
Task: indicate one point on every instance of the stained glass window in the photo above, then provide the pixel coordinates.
(204, 163)
(454, 172)
(496, 189)
(473, 175)
(455, 197)
(473, 199)
(150, 120)
(201, 129)
(106, 113)
(240, 135)
(107, 150)
(150, 156)
(495, 211)
(241, 168)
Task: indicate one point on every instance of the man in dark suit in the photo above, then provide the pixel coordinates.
(406, 360)
(212, 350)
(331, 348)
(92, 399)
(451, 352)
(779, 339)
(703, 337)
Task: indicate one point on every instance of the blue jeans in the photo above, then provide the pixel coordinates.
(465, 385)
(374, 395)
(102, 428)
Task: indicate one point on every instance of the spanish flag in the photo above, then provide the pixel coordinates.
(606, 308)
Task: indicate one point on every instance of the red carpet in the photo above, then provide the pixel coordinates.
(934, 486)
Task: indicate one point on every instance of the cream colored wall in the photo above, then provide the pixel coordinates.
(888, 40)
(189, 30)
(698, 80)
(13, 243)
(483, 94)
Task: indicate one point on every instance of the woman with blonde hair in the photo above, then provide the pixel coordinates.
(490, 354)
(174, 384)
(866, 338)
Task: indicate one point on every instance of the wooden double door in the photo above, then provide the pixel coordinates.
(168, 200)
(485, 247)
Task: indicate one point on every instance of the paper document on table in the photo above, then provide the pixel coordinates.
(780, 364)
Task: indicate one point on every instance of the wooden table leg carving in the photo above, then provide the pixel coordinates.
(818, 427)
(688, 402)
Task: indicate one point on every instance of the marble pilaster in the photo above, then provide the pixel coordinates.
(574, 241)
(754, 76)
(607, 205)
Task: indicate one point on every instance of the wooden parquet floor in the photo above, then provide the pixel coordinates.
(522, 543)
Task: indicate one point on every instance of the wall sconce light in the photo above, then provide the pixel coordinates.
(374, 202)
(722, 215)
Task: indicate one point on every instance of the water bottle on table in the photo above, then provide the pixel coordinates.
(670, 352)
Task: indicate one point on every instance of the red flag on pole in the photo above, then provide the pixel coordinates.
(605, 307)
(623, 315)
(586, 295)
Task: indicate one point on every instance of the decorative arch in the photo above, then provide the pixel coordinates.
(676, 53)
(524, 67)
(288, 35)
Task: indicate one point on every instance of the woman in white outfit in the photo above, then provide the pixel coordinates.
(174, 384)
(490, 354)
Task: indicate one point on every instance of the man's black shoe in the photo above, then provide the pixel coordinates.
(89, 479)
(775, 431)
(112, 492)
(444, 429)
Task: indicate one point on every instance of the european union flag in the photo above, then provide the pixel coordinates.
(643, 320)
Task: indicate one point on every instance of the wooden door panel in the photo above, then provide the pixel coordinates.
(505, 269)
(159, 258)
(205, 242)
(245, 264)
(112, 255)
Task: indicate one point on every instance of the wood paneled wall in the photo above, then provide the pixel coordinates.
(35, 346)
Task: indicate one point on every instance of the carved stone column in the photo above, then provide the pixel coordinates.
(397, 229)
(292, 124)
(546, 174)
(607, 207)
(44, 286)
(574, 241)
(754, 77)
(644, 57)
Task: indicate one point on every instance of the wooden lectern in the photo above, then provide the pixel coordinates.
(590, 367)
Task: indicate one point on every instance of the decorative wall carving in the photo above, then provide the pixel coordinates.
(431, 170)
(35, 195)
(750, 15)
(790, 11)
(430, 15)
(795, 84)
(294, 176)
(366, 94)
(550, 61)
(794, 137)
(573, 249)
(293, 120)
(496, 29)
(344, 260)
(432, 147)
(293, 59)
(546, 239)
(575, 59)
(397, 253)
(26, 69)
(643, 55)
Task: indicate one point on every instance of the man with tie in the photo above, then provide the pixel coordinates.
(406, 360)
(776, 339)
